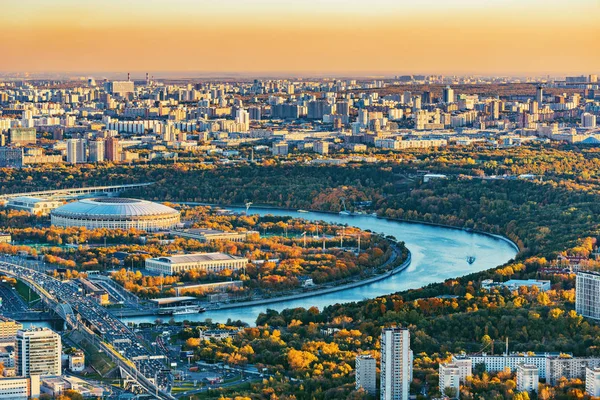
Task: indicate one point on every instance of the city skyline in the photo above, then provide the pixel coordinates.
(303, 38)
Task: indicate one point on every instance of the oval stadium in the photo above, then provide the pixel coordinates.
(115, 213)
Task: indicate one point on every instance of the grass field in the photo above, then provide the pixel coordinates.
(24, 292)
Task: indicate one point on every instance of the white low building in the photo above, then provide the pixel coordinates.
(450, 379)
(20, 388)
(209, 262)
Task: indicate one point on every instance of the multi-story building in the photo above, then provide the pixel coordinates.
(528, 378)
(280, 149)
(321, 147)
(592, 381)
(96, 150)
(112, 149)
(20, 388)
(11, 157)
(119, 88)
(366, 373)
(22, 136)
(212, 235)
(209, 262)
(465, 366)
(450, 380)
(38, 352)
(76, 151)
(568, 367)
(8, 329)
(77, 361)
(33, 205)
(396, 364)
(587, 294)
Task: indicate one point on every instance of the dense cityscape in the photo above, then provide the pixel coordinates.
(302, 200)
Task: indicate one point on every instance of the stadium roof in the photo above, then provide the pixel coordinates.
(113, 207)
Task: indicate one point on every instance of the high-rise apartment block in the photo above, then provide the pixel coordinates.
(592, 381)
(38, 352)
(587, 294)
(366, 373)
(450, 380)
(528, 378)
(396, 364)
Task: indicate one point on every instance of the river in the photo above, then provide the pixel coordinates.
(438, 253)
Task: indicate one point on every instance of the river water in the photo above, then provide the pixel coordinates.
(438, 253)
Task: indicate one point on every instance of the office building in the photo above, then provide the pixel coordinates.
(76, 151)
(38, 352)
(366, 373)
(11, 157)
(450, 380)
(20, 388)
(528, 378)
(587, 294)
(592, 381)
(448, 95)
(209, 262)
(22, 136)
(396, 364)
(8, 328)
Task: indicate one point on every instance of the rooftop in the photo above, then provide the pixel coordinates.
(196, 257)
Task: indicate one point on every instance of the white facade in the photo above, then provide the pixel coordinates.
(396, 364)
(33, 205)
(366, 375)
(592, 381)
(38, 352)
(465, 366)
(21, 388)
(528, 378)
(449, 378)
(568, 367)
(587, 294)
(588, 120)
(512, 361)
(209, 262)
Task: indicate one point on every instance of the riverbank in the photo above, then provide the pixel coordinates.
(408, 221)
(296, 296)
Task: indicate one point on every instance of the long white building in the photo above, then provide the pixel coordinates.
(396, 364)
(20, 388)
(38, 352)
(209, 262)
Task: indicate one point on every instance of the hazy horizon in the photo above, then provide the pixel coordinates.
(309, 37)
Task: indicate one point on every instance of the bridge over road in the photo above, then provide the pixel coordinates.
(99, 326)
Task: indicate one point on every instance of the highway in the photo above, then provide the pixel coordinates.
(101, 327)
(75, 192)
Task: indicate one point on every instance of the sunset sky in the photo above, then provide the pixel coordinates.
(301, 36)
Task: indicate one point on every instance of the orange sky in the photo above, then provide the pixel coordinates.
(302, 36)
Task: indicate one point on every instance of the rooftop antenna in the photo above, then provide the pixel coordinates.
(128, 77)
